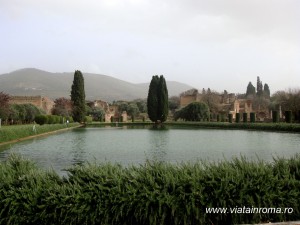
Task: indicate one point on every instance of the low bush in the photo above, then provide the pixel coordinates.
(150, 194)
(88, 119)
(41, 119)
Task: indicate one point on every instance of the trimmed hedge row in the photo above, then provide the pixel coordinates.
(150, 194)
(52, 119)
(288, 127)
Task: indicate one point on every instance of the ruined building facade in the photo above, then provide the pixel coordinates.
(44, 103)
(228, 102)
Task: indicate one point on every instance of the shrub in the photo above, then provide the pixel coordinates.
(51, 119)
(275, 116)
(288, 116)
(222, 117)
(237, 117)
(61, 119)
(70, 119)
(41, 119)
(230, 118)
(252, 117)
(196, 111)
(245, 117)
(88, 119)
(153, 193)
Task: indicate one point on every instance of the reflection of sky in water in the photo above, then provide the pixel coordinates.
(134, 146)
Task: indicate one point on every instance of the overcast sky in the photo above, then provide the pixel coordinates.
(204, 43)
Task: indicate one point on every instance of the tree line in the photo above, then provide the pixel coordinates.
(157, 106)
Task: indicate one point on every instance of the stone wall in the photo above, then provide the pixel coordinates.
(43, 103)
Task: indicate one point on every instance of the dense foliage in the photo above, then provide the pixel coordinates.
(212, 99)
(62, 107)
(23, 113)
(52, 119)
(150, 194)
(97, 113)
(287, 100)
(157, 100)
(196, 111)
(78, 97)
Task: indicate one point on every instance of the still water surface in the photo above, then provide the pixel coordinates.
(134, 145)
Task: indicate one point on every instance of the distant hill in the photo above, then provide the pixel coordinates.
(32, 81)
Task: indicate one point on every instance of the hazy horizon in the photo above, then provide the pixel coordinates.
(216, 44)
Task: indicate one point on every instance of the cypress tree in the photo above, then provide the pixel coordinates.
(237, 117)
(157, 100)
(78, 97)
(152, 99)
(275, 116)
(250, 90)
(163, 100)
(245, 117)
(252, 117)
(266, 91)
(230, 118)
(259, 87)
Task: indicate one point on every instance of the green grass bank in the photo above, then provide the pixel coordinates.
(16, 132)
(286, 127)
(150, 194)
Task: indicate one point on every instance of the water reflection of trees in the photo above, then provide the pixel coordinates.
(158, 142)
(78, 152)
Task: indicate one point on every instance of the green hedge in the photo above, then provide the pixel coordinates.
(41, 119)
(288, 127)
(88, 119)
(150, 194)
(51, 119)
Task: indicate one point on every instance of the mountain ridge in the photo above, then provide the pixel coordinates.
(32, 81)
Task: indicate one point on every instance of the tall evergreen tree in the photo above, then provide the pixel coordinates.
(157, 100)
(152, 99)
(259, 87)
(267, 91)
(163, 100)
(78, 97)
(250, 90)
